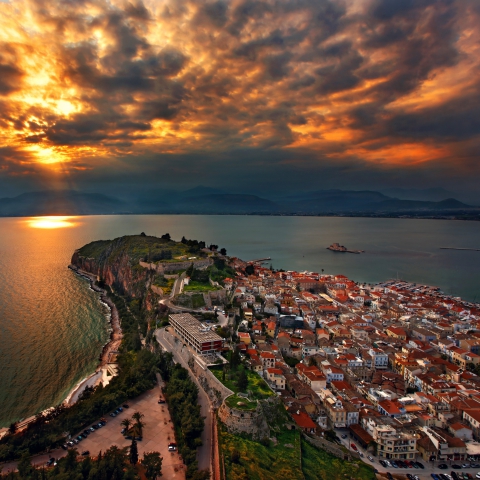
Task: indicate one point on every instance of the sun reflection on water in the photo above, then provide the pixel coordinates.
(51, 222)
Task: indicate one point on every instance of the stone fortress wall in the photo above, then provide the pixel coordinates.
(163, 267)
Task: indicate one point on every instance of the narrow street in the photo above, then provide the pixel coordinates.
(205, 451)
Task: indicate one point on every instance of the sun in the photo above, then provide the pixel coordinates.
(51, 222)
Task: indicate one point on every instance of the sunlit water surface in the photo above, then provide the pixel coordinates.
(52, 326)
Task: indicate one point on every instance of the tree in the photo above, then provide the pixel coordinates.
(250, 269)
(138, 425)
(223, 251)
(127, 423)
(235, 456)
(12, 428)
(133, 452)
(71, 460)
(25, 466)
(153, 465)
(235, 359)
(166, 237)
(242, 382)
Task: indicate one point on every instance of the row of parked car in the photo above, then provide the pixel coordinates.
(444, 466)
(401, 464)
(454, 476)
(88, 431)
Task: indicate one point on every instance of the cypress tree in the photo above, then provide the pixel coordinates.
(133, 452)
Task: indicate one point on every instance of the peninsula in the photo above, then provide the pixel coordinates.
(272, 374)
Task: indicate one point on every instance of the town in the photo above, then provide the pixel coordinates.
(388, 371)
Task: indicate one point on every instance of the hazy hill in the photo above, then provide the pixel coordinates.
(211, 200)
(61, 202)
(427, 194)
(225, 203)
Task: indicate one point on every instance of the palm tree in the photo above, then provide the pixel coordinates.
(137, 427)
(127, 423)
(137, 416)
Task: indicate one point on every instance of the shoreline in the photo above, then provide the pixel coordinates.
(110, 346)
(115, 337)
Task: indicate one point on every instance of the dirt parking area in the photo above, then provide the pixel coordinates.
(157, 433)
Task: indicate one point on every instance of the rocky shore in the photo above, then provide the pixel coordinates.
(111, 346)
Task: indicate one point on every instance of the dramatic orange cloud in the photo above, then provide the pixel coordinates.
(368, 81)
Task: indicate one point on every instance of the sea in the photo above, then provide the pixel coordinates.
(53, 326)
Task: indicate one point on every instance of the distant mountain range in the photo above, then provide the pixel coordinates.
(59, 202)
(203, 200)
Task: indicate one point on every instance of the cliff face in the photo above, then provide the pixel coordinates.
(114, 263)
(118, 273)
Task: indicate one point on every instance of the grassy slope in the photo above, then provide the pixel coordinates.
(260, 462)
(320, 465)
(137, 247)
(257, 388)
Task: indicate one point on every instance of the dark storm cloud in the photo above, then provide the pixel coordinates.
(330, 81)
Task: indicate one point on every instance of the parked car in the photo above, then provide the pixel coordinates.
(382, 463)
(113, 414)
(389, 476)
(70, 444)
(360, 453)
(410, 476)
(477, 475)
(370, 458)
(161, 400)
(123, 430)
(65, 446)
(466, 465)
(434, 476)
(120, 409)
(354, 446)
(85, 453)
(75, 441)
(125, 405)
(456, 466)
(394, 463)
(50, 462)
(420, 465)
(172, 447)
(103, 423)
(443, 466)
(79, 438)
(344, 436)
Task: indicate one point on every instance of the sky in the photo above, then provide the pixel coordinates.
(243, 95)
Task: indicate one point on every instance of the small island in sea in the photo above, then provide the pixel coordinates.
(336, 247)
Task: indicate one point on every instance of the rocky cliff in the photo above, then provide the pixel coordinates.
(116, 263)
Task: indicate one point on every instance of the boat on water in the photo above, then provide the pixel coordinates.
(336, 247)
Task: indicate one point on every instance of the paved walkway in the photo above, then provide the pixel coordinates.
(157, 434)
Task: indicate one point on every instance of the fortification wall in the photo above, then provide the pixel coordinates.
(251, 422)
(175, 266)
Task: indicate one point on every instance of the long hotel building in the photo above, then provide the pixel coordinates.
(197, 335)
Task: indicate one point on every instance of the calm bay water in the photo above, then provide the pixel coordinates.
(52, 326)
